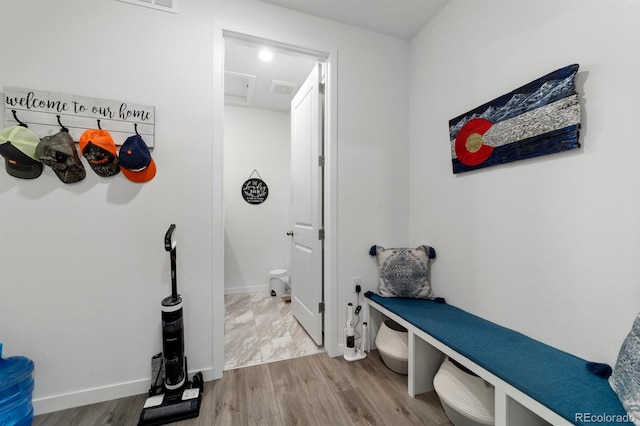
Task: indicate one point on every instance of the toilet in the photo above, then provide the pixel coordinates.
(279, 282)
(467, 399)
(392, 342)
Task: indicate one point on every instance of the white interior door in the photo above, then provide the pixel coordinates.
(306, 205)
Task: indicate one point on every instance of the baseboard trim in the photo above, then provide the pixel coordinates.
(247, 289)
(100, 394)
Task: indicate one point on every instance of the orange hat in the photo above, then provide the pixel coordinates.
(98, 148)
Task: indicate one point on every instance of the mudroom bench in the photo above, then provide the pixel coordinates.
(529, 377)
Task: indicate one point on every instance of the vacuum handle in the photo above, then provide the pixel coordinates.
(170, 241)
(174, 278)
(170, 244)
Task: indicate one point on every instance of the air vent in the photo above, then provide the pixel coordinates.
(283, 87)
(239, 88)
(164, 5)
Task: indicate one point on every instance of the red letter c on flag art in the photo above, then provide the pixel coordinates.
(470, 147)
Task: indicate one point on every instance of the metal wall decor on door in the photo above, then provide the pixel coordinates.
(255, 190)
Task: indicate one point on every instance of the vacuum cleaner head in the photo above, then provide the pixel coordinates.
(168, 408)
(169, 413)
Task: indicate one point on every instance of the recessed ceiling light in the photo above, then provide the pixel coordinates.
(265, 55)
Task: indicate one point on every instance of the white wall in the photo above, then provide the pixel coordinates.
(547, 246)
(255, 234)
(82, 266)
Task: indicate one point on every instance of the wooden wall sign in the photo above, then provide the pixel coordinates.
(255, 190)
(539, 118)
(40, 111)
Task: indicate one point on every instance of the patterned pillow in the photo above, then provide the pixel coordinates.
(404, 272)
(625, 380)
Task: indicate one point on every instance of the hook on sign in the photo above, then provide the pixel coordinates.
(15, 117)
(62, 128)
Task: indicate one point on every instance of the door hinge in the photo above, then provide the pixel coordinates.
(321, 160)
(321, 308)
(321, 88)
(321, 234)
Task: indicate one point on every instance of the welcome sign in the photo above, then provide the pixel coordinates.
(255, 190)
(44, 112)
(539, 118)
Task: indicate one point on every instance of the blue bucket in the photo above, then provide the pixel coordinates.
(16, 387)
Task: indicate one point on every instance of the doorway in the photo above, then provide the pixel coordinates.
(256, 145)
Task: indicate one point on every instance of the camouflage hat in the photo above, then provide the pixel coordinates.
(59, 153)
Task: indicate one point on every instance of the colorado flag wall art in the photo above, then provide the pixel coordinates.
(539, 118)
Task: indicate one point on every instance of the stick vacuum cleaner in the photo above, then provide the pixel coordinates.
(172, 396)
(351, 352)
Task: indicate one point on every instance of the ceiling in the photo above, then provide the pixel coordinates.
(250, 82)
(397, 18)
(253, 83)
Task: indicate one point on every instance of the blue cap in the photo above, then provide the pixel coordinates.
(135, 160)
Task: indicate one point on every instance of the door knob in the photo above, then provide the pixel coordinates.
(290, 233)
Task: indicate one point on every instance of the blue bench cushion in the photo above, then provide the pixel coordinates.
(552, 377)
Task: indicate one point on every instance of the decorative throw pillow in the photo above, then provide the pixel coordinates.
(404, 272)
(625, 380)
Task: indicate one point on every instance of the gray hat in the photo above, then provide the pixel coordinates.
(59, 153)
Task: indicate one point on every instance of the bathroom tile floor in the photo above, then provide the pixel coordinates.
(260, 328)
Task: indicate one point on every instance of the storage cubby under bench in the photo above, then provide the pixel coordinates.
(529, 376)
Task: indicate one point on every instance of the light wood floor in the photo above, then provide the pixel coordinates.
(312, 390)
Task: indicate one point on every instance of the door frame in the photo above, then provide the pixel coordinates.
(290, 41)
